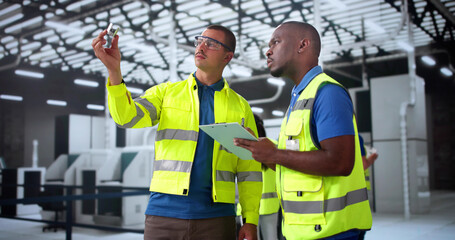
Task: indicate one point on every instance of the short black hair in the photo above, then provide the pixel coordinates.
(306, 31)
(259, 125)
(228, 35)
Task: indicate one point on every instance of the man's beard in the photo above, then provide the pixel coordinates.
(276, 73)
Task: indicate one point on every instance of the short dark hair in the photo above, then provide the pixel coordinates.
(259, 125)
(306, 30)
(228, 35)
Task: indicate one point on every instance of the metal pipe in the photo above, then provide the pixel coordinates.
(172, 49)
(317, 23)
(403, 114)
(267, 100)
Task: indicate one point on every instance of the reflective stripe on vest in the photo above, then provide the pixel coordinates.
(329, 205)
(303, 104)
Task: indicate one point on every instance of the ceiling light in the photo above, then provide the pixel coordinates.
(24, 24)
(11, 19)
(29, 74)
(63, 27)
(338, 4)
(135, 90)
(11, 97)
(56, 102)
(405, 46)
(257, 109)
(428, 60)
(75, 6)
(277, 113)
(87, 83)
(374, 26)
(95, 107)
(276, 81)
(446, 72)
(9, 9)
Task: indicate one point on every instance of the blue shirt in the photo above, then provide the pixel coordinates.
(198, 204)
(332, 109)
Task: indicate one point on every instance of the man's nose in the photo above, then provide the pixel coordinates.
(269, 52)
(202, 46)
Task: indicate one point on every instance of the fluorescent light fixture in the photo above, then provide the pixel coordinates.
(374, 26)
(63, 27)
(428, 60)
(277, 113)
(9, 9)
(135, 90)
(56, 102)
(95, 107)
(405, 46)
(257, 109)
(29, 74)
(87, 83)
(446, 72)
(11, 97)
(338, 4)
(276, 81)
(11, 19)
(77, 5)
(25, 24)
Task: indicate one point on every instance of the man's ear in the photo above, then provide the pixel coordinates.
(228, 57)
(304, 44)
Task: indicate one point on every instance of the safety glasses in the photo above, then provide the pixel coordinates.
(210, 43)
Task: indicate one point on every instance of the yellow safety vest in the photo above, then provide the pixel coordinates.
(319, 206)
(175, 106)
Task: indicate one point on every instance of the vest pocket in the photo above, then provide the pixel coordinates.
(295, 181)
(294, 126)
(303, 198)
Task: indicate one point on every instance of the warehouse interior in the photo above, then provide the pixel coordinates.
(396, 57)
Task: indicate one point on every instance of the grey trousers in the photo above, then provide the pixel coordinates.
(164, 228)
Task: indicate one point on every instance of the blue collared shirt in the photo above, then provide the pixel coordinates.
(198, 204)
(332, 109)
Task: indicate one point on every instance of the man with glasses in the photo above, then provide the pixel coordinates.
(193, 184)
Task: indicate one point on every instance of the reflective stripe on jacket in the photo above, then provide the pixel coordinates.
(175, 106)
(319, 206)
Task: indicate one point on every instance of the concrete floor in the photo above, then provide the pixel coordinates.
(438, 224)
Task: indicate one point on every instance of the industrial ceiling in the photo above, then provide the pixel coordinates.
(156, 37)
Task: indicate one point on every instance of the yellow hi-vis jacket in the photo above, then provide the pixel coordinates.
(269, 201)
(313, 206)
(175, 106)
